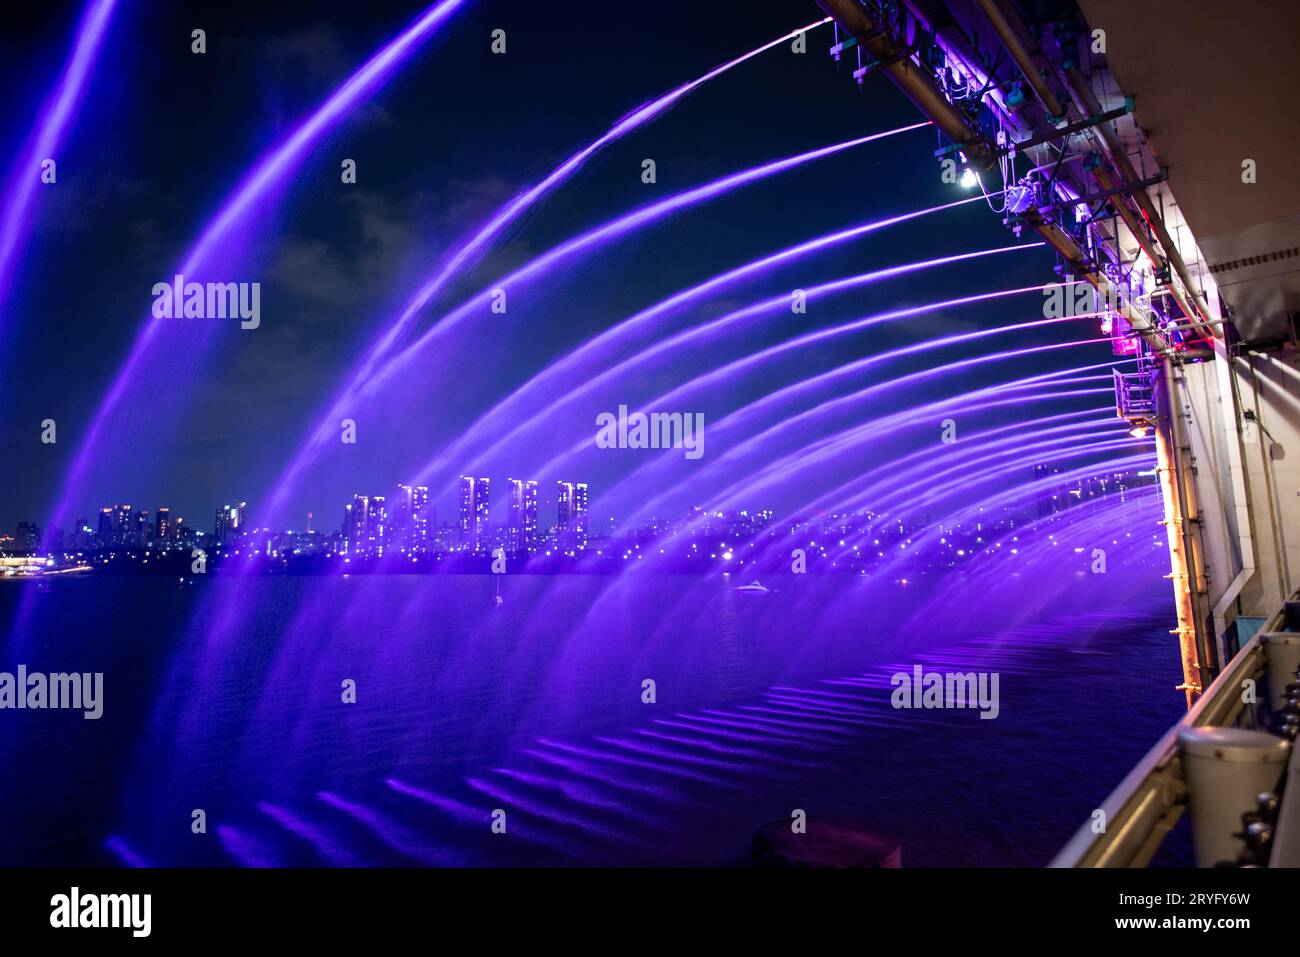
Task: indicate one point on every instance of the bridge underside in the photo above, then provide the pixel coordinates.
(1216, 85)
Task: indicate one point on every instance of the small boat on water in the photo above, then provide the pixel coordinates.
(754, 586)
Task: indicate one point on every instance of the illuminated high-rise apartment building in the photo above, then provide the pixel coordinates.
(355, 517)
(475, 500)
(411, 518)
(563, 513)
(571, 515)
(376, 526)
(580, 515)
(523, 516)
(230, 522)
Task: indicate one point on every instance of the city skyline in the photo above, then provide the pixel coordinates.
(375, 528)
(199, 429)
(369, 525)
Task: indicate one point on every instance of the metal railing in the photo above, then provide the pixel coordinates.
(1153, 796)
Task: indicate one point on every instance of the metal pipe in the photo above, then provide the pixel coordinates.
(1090, 198)
(1069, 250)
(1185, 471)
(1182, 327)
(954, 44)
(1117, 200)
(1087, 101)
(1011, 40)
(914, 83)
(1175, 522)
(1270, 485)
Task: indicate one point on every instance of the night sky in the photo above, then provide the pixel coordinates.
(164, 136)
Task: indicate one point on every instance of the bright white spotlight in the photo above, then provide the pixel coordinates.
(1138, 431)
(968, 178)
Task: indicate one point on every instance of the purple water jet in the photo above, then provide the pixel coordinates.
(712, 329)
(799, 421)
(56, 116)
(609, 232)
(271, 170)
(469, 250)
(525, 398)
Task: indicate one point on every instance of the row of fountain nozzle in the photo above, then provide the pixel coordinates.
(1256, 832)
(1234, 775)
(1285, 721)
(1257, 826)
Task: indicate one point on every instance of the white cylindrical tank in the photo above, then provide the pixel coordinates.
(1225, 768)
